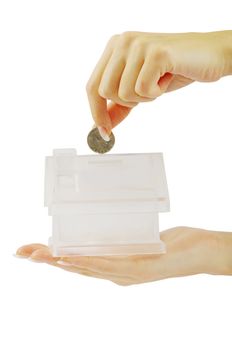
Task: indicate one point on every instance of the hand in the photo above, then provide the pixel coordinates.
(138, 67)
(189, 251)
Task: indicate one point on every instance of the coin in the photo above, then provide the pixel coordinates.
(96, 142)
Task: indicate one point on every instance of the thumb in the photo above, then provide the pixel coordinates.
(117, 113)
(165, 81)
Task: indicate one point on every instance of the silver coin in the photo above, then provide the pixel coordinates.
(97, 144)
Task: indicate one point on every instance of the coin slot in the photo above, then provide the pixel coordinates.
(105, 163)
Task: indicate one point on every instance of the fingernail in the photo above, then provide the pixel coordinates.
(103, 133)
(19, 252)
(63, 263)
(19, 256)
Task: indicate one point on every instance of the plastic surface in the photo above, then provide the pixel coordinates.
(105, 204)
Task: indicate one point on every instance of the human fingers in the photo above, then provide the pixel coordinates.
(113, 265)
(111, 77)
(43, 255)
(117, 113)
(27, 250)
(98, 104)
(129, 269)
(126, 89)
(91, 271)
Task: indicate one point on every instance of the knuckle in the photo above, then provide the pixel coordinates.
(145, 90)
(126, 38)
(128, 34)
(141, 88)
(124, 95)
(137, 45)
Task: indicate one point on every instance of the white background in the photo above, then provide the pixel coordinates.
(47, 52)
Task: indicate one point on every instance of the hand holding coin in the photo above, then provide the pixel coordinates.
(139, 67)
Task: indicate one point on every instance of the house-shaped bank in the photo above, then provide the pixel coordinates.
(105, 204)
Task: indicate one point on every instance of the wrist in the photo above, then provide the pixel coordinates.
(220, 257)
(225, 252)
(226, 42)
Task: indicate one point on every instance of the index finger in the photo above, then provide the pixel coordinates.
(98, 104)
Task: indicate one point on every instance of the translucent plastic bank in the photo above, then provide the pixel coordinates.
(105, 204)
